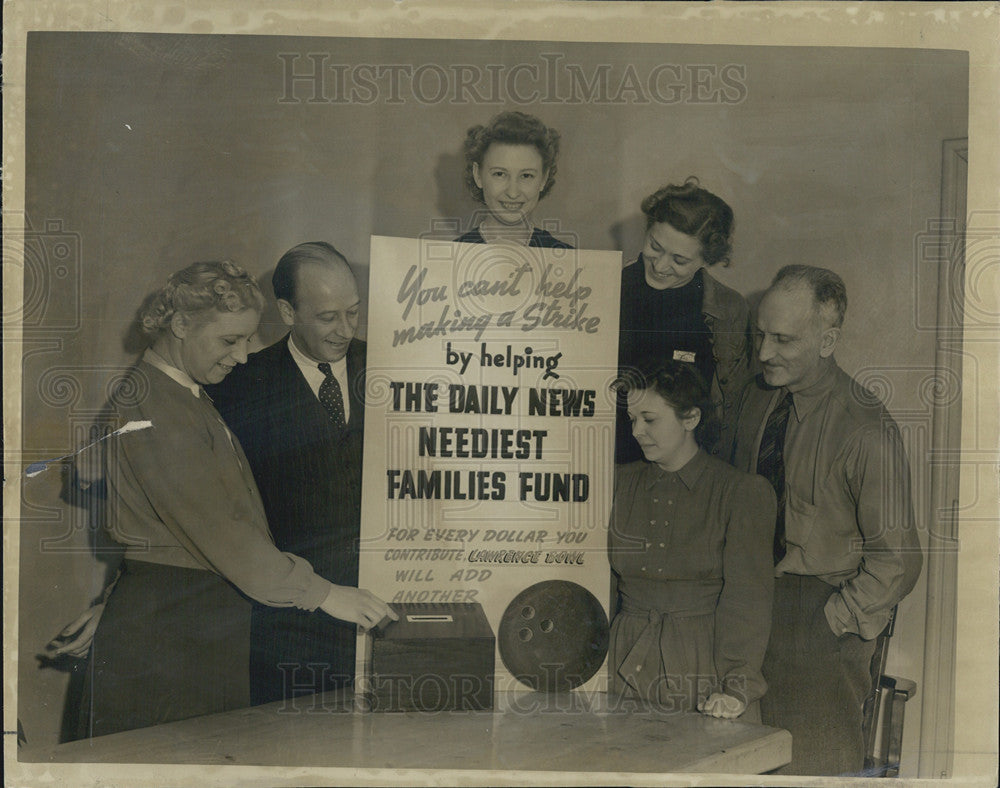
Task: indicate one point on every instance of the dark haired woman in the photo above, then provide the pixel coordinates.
(690, 546)
(510, 164)
(672, 308)
(173, 639)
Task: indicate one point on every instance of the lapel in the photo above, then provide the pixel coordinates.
(356, 359)
(298, 403)
(752, 419)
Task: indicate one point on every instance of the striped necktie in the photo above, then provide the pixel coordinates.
(771, 465)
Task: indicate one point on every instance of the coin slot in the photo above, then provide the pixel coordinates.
(546, 625)
(527, 612)
(525, 635)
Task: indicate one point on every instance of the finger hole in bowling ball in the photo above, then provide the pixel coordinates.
(567, 645)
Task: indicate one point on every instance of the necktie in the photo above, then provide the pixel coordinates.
(771, 465)
(331, 397)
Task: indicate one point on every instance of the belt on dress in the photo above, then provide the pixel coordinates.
(680, 599)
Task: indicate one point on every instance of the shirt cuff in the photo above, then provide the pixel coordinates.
(839, 616)
(316, 593)
(843, 621)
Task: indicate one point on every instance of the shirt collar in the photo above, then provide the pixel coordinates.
(304, 361)
(154, 359)
(688, 475)
(808, 399)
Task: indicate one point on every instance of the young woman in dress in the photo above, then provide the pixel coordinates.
(510, 164)
(690, 547)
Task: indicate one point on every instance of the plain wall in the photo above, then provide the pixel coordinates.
(149, 152)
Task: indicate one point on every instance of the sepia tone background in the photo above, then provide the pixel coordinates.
(145, 153)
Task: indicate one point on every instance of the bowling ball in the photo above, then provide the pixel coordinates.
(553, 636)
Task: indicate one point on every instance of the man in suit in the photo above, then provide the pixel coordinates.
(297, 408)
(846, 548)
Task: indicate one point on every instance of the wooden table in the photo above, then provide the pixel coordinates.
(528, 732)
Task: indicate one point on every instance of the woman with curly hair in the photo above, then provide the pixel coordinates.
(510, 164)
(672, 308)
(173, 640)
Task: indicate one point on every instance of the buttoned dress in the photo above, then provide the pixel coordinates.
(691, 553)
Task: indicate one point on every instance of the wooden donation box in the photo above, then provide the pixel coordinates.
(439, 656)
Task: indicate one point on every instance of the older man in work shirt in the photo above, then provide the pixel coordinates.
(846, 548)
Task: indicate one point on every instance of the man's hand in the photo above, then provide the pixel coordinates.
(76, 637)
(356, 605)
(718, 704)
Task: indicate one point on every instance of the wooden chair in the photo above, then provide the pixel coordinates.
(884, 711)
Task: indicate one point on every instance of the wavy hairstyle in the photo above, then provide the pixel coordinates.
(511, 128)
(681, 385)
(197, 290)
(692, 210)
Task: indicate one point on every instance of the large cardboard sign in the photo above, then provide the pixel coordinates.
(489, 423)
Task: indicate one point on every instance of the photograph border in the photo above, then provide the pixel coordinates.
(971, 27)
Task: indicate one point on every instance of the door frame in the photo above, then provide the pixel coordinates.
(937, 717)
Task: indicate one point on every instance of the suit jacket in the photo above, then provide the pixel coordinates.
(309, 476)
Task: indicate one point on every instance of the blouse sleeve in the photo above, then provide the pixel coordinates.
(743, 615)
(181, 483)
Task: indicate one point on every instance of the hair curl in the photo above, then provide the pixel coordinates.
(681, 385)
(692, 210)
(199, 288)
(511, 128)
(827, 288)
